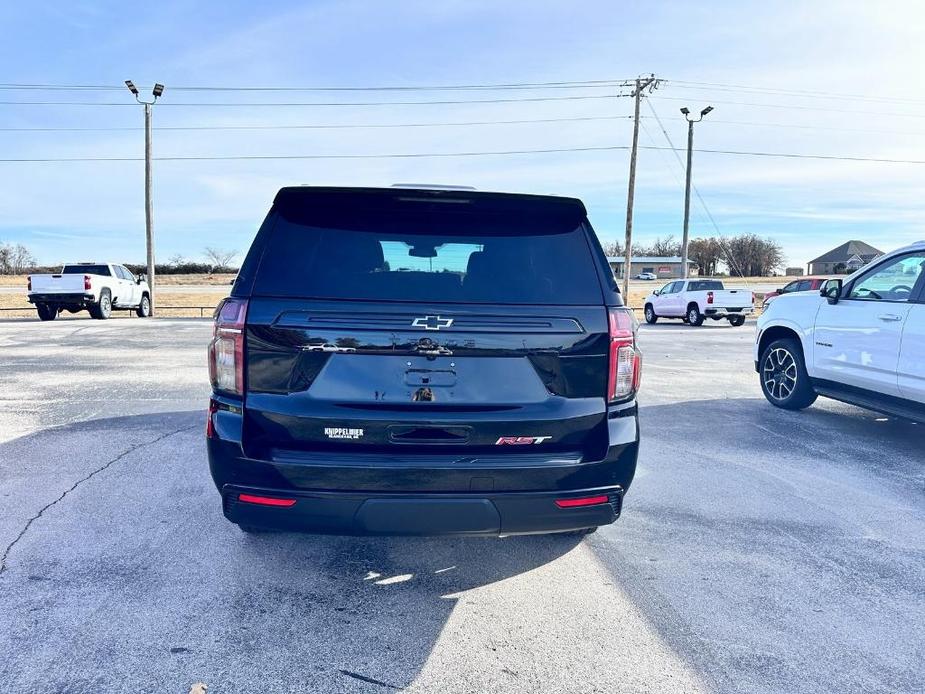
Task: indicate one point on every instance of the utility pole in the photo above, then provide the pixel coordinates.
(149, 205)
(631, 191)
(685, 241)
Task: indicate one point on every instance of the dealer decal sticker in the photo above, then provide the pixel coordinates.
(342, 433)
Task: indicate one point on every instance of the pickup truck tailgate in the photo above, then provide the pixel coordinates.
(57, 284)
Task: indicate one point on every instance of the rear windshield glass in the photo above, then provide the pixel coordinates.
(704, 285)
(430, 257)
(86, 270)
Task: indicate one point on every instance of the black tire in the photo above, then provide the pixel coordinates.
(144, 307)
(694, 316)
(736, 321)
(47, 311)
(102, 309)
(651, 318)
(782, 371)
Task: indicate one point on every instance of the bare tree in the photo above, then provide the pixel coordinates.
(753, 256)
(663, 248)
(177, 259)
(707, 253)
(15, 259)
(666, 247)
(613, 249)
(220, 259)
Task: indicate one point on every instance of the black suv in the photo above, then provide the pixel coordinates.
(423, 362)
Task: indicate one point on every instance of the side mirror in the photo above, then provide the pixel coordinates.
(831, 290)
(656, 292)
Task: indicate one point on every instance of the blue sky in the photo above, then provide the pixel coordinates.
(70, 211)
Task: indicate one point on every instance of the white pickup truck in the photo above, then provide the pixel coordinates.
(97, 287)
(695, 300)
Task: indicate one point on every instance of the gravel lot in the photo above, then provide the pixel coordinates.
(759, 551)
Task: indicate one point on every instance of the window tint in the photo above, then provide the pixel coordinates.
(893, 281)
(430, 257)
(803, 285)
(792, 287)
(705, 285)
(87, 270)
(667, 288)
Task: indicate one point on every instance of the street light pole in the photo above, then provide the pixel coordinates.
(149, 205)
(685, 241)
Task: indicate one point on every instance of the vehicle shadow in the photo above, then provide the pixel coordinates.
(778, 551)
(123, 575)
(675, 324)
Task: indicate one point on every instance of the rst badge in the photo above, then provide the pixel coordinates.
(520, 440)
(341, 433)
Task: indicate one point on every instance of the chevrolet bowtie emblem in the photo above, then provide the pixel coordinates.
(432, 322)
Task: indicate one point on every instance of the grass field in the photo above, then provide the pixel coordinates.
(187, 290)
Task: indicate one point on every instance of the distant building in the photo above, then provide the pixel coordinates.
(847, 258)
(661, 266)
(793, 272)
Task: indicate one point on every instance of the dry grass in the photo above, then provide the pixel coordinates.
(191, 298)
(209, 298)
(162, 280)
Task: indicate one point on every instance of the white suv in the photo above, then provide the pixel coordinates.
(860, 340)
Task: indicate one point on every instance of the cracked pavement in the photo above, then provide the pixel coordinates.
(759, 551)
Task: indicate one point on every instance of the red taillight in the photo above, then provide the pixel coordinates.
(210, 423)
(625, 360)
(709, 297)
(265, 500)
(226, 351)
(587, 501)
(86, 283)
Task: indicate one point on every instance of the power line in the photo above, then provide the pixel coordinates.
(819, 127)
(324, 126)
(806, 93)
(801, 108)
(794, 155)
(244, 104)
(255, 157)
(521, 121)
(566, 84)
(412, 155)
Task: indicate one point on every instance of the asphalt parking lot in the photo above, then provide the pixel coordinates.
(759, 550)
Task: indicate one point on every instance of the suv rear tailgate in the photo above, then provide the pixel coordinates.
(354, 377)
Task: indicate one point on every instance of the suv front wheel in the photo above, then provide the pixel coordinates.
(784, 380)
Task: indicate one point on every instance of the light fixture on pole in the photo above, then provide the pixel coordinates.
(687, 186)
(149, 209)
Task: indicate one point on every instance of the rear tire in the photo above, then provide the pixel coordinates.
(784, 380)
(694, 316)
(736, 321)
(651, 318)
(103, 308)
(46, 311)
(144, 308)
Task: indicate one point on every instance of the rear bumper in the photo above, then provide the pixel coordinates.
(420, 495)
(73, 299)
(726, 312)
(345, 513)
